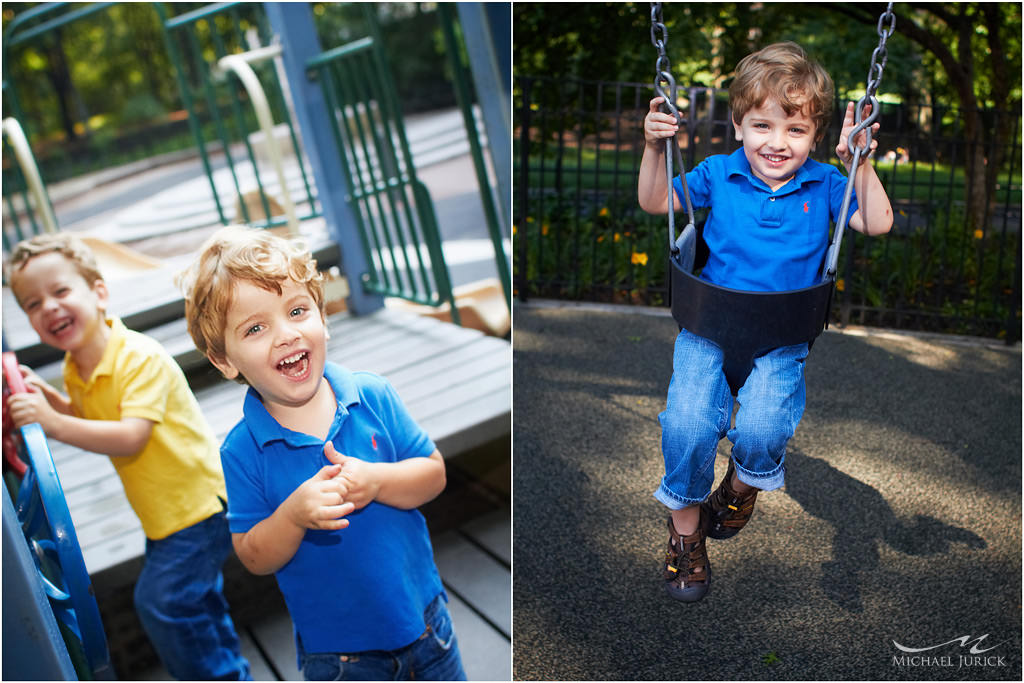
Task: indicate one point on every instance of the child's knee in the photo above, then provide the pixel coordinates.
(689, 426)
(770, 439)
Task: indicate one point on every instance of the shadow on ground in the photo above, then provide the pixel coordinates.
(899, 521)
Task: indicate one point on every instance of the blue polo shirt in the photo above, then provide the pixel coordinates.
(761, 240)
(363, 587)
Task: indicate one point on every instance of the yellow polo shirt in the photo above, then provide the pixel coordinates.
(176, 479)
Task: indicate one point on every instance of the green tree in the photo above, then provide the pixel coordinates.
(611, 41)
(973, 51)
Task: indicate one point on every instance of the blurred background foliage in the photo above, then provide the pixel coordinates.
(935, 47)
(109, 72)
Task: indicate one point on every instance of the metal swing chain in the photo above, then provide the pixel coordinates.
(886, 27)
(884, 33)
(663, 77)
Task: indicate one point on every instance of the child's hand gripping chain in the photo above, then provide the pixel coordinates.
(843, 150)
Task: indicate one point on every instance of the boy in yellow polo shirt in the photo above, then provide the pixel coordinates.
(128, 399)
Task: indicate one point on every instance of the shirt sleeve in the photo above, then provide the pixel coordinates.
(409, 439)
(698, 181)
(247, 505)
(144, 382)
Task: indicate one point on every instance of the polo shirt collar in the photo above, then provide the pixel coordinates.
(118, 332)
(737, 164)
(265, 428)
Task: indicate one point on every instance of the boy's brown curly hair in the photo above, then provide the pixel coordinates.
(239, 253)
(66, 244)
(784, 72)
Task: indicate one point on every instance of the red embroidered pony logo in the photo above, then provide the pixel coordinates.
(373, 440)
(806, 208)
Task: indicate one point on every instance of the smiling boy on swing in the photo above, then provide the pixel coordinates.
(767, 231)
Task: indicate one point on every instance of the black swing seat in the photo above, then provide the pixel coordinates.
(744, 324)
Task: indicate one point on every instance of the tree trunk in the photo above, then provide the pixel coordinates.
(977, 190)
(60, 78)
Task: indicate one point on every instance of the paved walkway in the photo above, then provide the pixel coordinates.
(900, 519)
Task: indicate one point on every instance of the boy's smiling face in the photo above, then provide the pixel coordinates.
(63, 308)
(277, 342)
(775, 144)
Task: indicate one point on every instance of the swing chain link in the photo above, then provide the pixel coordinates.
(663, 78)
(663, 68)
(831, 265)
(880, 55)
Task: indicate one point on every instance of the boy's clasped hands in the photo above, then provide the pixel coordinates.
(323, 501)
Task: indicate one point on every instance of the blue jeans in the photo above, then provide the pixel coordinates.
(434, 656)
(699, 410)
(180, 601)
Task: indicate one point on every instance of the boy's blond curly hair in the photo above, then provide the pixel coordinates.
(239, 253)
(66, 244)
(784, 72)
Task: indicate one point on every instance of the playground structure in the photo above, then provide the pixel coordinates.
(362, 210)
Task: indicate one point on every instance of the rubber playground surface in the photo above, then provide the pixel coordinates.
(898, 529)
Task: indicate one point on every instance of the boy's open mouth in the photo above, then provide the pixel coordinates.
(294, 365)
(61, 326)
(774, 158)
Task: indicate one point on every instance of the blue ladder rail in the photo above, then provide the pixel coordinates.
(48, 539)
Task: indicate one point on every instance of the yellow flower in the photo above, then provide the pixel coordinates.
(616, 237)
(639, 258)
(544, 229)
(529, 219)
(534, 106)
(840, 284)
(603, 212)
(978, 234)
(600, 238)
(514, 229)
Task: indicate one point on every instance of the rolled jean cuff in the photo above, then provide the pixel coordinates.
(672, 501)
(768, 481)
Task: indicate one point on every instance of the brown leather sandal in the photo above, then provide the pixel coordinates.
(684, 556)
(725, 511)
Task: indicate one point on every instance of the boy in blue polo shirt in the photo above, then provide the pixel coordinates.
(767, 231)
(324, 472)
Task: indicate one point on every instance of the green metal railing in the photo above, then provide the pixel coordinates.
(461, 80)
(196, 42)
(26, 197)
(395, 215)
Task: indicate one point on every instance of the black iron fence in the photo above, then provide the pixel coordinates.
(579, 233)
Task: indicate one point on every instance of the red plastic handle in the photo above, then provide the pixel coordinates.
(15, 382)
(15, 385)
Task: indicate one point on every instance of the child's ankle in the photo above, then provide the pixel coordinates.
(685, 521)
(739, 487)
